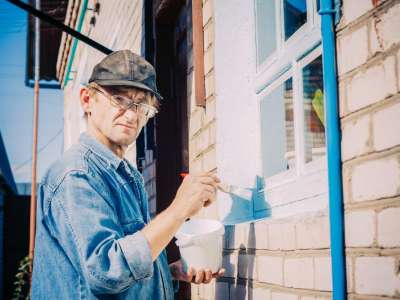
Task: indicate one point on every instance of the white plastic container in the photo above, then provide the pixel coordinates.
(200, 244)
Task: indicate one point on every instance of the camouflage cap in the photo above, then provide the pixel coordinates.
(125, 68)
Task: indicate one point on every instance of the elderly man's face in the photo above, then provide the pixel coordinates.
(120, 126)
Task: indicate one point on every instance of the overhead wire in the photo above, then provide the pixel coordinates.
(39, 150)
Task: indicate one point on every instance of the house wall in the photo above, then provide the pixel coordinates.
(289, 258)
(368, 44)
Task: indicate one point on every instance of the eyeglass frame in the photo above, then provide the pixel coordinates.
(131, 102)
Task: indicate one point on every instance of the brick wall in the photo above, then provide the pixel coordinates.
(368, 43)
(202, 125)
(290, 258)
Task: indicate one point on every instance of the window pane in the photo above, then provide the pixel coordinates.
(266, 30)
(295, 14)
(277, 130)
(314, 117)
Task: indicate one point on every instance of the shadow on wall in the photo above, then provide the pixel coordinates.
(247, 204)
(238, 281)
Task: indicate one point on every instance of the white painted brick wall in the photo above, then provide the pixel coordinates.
(355, 137)
(292, 275)
(209, 160)
(387, 28)
(313, 233)
(270, 269)
(353, 9)
(375, 179)
(283, 296)
(207, 11)
(196, 121)
(196, 166)
(380, 80)
(260, 294)
(210, 110)
(398, 70)
(360, 228)
(355, 41)
(209, 84)
(261, 235)
(208, 60)
(323, 273)
(386, 127)
(377, 276)
(282, 236)
(389, 227)
(349, 274)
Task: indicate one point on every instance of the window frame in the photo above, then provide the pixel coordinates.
(288, 60)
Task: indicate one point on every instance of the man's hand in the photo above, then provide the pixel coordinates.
(193, 276)
(195, 192)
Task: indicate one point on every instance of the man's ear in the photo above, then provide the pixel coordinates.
(85, 100)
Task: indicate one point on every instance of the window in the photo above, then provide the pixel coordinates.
(314, 118)
(266, 35)
(289, 87)
(277, 125)
(295, 16)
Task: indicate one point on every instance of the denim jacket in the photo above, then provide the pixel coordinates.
(90, 210)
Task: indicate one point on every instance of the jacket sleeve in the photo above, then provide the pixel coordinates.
(85, 223)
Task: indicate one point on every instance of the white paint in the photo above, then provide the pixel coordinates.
(238, 155)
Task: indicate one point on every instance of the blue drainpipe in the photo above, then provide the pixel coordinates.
(329, 17)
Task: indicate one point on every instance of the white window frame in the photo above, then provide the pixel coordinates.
(305, 187)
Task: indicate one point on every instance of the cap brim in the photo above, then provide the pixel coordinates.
(139, 85)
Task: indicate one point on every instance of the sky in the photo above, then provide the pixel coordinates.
(16, 102)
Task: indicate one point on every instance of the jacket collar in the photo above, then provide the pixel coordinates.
(100, 150)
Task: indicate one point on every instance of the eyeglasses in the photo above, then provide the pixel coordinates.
(126, 103)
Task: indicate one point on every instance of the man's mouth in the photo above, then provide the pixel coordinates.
(128, 126)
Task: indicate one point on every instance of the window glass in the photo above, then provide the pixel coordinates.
(295, 16)
(314, 117)
(266, 29)
(277, 130)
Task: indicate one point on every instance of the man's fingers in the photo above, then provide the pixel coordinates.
(199, 277)
(208, 276)
(220, 272)
(189, 274)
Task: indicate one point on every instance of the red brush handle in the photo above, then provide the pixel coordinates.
(183, 174)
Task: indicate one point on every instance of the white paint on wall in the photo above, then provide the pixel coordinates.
(237, 111)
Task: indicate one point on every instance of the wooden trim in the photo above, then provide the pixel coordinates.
(198, 53)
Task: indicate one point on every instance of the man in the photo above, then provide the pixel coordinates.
(94, 238)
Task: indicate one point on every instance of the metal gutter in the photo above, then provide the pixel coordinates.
(329, 17)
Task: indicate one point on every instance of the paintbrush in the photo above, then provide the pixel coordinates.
(242, 193)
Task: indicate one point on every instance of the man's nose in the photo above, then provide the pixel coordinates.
(130, 115)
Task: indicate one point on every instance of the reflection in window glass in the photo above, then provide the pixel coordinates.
(295, 14)
(314, 117)
(266, 31)
(277, 130)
